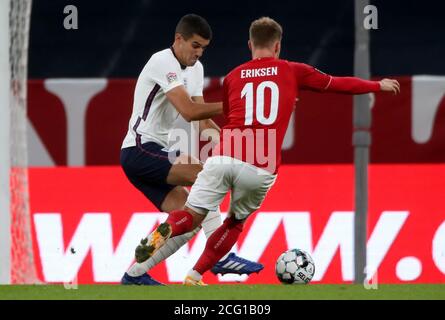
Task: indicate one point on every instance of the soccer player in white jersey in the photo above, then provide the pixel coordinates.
(171, 84)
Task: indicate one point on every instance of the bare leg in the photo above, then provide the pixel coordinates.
(184, 171)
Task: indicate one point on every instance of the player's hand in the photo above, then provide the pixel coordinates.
(390, 85)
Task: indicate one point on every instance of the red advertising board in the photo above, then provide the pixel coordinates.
(87, 221)
(78, 122)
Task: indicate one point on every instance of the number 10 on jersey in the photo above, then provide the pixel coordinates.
(248, 92)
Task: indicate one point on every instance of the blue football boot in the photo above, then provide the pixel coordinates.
(144, 280)
(236, 265)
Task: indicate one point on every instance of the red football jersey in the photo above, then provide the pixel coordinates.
(258, 99)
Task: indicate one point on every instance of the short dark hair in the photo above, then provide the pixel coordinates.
(264, 32)
(193, 24)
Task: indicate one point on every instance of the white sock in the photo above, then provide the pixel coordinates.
(195, 275)
(171, 246)
(211, 223)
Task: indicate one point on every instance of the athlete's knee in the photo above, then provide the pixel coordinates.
(233, 222)
(174, 200)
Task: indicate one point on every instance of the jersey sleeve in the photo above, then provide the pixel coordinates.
(165, 72)
(309, 77)
(352, 85)
(198, 92)
(313, 79)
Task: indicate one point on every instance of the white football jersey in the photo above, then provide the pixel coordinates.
(153, 115)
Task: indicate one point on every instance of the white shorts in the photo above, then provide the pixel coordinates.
(221, 174)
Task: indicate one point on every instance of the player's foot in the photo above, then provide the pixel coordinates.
(189, 281)
(153, 242)
(144, 280)
(237, 265)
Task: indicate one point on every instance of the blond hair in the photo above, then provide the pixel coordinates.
(264, 31)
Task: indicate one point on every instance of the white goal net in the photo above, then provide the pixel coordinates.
(18, 248)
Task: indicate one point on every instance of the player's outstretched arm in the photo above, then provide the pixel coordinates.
(313, 79)
(354, 85)
(189, 109)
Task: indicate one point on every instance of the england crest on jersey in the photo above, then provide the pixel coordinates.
(171, 77)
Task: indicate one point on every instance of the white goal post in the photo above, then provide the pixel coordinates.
(16, 250)
(5, 241)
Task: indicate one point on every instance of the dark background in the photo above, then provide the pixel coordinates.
(116, 38)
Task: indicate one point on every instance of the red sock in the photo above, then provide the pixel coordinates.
(219, 243)
(181, 222)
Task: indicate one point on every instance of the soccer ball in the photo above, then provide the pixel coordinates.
(295, 266)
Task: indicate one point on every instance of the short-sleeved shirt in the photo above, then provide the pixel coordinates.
(153, 115)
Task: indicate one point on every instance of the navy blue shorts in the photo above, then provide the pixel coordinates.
(147, 167)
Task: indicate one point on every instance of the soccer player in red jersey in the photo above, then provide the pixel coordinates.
(258, 99)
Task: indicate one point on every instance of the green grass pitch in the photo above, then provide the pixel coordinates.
(224, 292)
